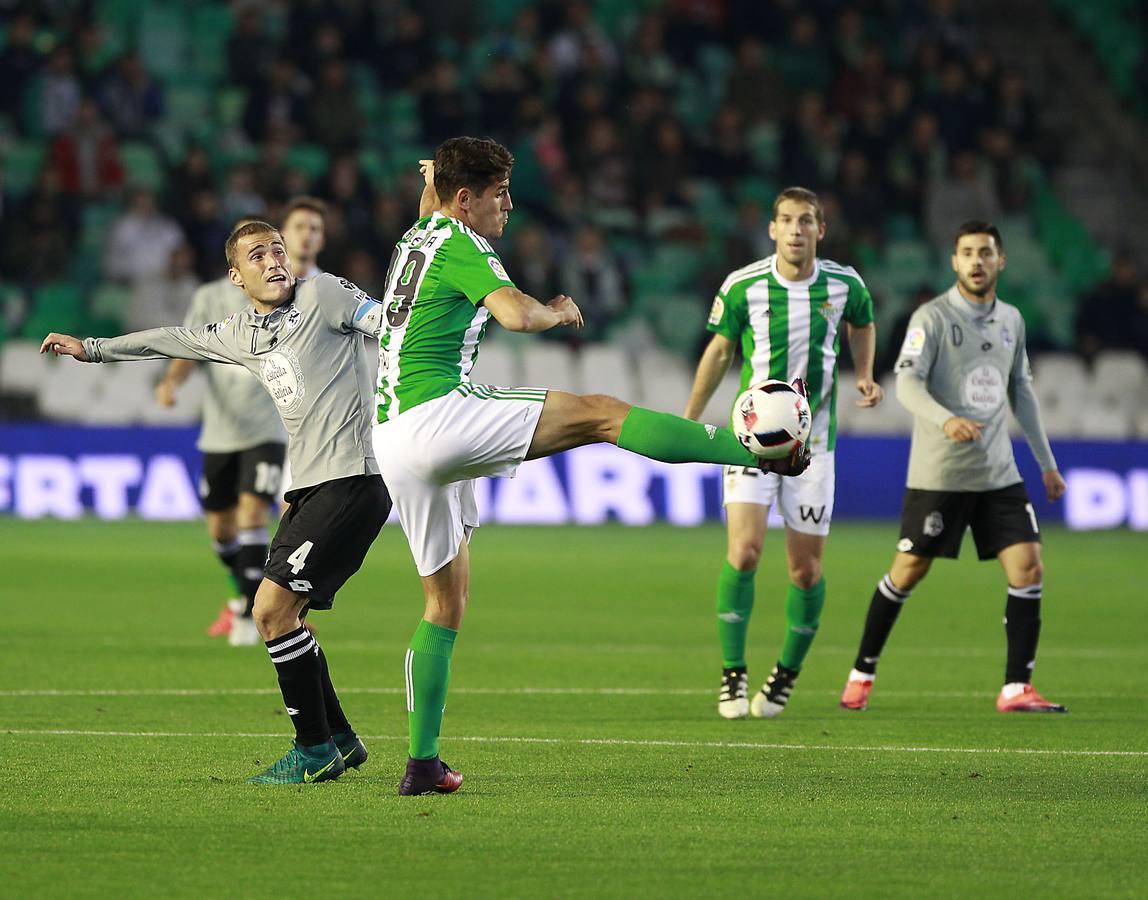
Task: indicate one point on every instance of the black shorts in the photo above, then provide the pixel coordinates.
(933, 523)
(325, 534)
(256, 470)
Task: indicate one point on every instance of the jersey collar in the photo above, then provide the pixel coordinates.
(974, 311)
(786, 283)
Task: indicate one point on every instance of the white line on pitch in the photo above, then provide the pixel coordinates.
(509, 692)
(596, 742)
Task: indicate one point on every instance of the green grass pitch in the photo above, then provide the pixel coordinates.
(583, 715)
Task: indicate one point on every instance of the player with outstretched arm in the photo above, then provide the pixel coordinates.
(303, 341)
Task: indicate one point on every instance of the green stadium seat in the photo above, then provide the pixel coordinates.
(229, 105)
(58, 306)
(22, 163)
(311, 159)
(163, 40)
(110, 302)
(142, 165)
(211, 24)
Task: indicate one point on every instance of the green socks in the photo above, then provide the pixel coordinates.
(802, 616)
(428, 676)
(734, 604)
(672, 439)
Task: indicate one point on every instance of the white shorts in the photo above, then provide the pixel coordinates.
(429, 456)
(805, 501)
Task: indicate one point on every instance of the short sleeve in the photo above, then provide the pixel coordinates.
(919, 349)
(472, 268)
(859, 305)
(728, 313)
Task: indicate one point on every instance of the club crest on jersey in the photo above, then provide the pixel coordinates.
(1006, 337)
(294, 317)
(717, 311)
(283, 377)
(934, 524)
(497, 268)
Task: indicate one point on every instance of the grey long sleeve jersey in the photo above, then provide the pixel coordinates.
(309, 357)
(961, 360)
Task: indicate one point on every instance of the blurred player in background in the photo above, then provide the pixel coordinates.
(438, 431)
(963, 365)
(242, 440)
(785, 312)
(302, 341)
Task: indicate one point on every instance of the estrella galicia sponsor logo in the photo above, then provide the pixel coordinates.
(934, 524)
(283, 377)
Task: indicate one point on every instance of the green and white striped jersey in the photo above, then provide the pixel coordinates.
(792, 329)
(438, 276)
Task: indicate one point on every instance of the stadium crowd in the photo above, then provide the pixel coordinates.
(650, 138)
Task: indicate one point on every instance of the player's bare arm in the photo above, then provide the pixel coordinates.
(960, 430)
(64, 345)
(1054, 486)
(517, 311)
(178, 371)
(711, 370)
(863, 345)
(429, 200)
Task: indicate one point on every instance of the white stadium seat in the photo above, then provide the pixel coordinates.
(22, 367)
(606, 369)
(497, 364)
(549, 365)
(664, 381)
(1061, 383)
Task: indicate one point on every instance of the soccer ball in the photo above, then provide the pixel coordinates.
(770, 418)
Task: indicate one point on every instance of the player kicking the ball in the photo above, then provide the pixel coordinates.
(438, 431)
(303, 342)
(786, 312)
(962, 366)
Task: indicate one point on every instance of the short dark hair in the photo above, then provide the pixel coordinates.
(474, 163)
(977, 226)
(305, 202)
(801, 195)
(247, 230)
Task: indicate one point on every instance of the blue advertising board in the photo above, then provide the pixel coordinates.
(71, 471)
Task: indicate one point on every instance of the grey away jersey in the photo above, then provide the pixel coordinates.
(971, 362)
(309, 357)
(237, 413)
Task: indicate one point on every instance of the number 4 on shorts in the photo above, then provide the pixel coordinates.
(298, 558)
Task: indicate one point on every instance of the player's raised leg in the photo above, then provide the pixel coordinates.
(573, 420)
(1025, 573)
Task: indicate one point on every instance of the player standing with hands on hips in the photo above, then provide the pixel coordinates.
(962, 366)
(786, 312)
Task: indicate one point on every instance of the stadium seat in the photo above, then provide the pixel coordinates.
(1061, 383)
(664, 381)
(22, 367)
(66, 394)
(163, 40)
(497, 364)
(889, 417)
(142, 165)
(22, 163)
(606, 369)
(549, 365)
(310, 159)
